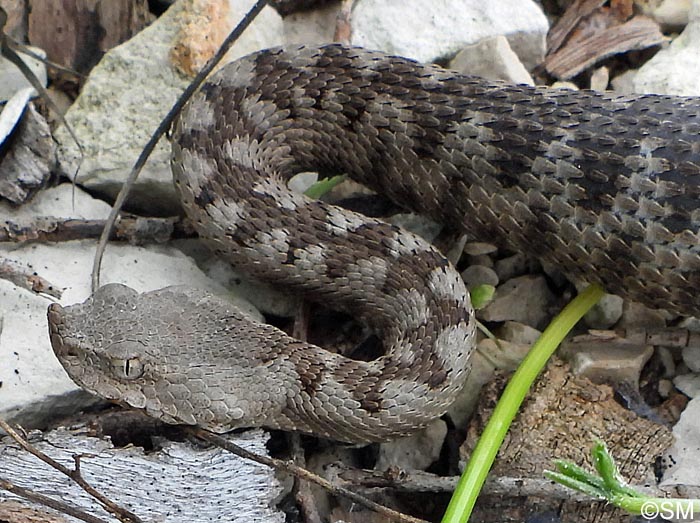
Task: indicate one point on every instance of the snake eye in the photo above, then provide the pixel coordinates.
(127, 369)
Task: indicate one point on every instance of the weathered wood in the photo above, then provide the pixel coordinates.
(76, 33)
(177, 483)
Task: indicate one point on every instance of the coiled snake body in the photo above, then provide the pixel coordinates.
(604, 187)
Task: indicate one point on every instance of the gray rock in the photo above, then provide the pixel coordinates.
(624, 83)
(35, 386)
(606, 313)
(636, 316)
(512, 266)
(607, 360)
(485, 260)
(432, 31)
(525, 299)
(518, 333)
(415, 452)
(479, 275)
(479, 248)
(675, 69)
(124, 100)
(492, 58)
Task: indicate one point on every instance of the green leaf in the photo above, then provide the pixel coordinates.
(321, 187)
(481, 295)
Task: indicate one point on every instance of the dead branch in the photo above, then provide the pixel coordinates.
(46, 501)
(121, 513)
(131, 229)
(27, 279)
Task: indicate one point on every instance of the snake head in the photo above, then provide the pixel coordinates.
(100, 345)
(168, 352)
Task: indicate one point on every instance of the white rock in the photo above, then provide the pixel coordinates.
(415, 452)
(525, 299)
(493, 59)
(12, 79)
(479, 275)
(691, 357)
(683, 461)
(672, 13)
(314, 26)
(439, 29)
(675, 70)
(605, 313)
(124, 100)
(688, 384)
(34, 383)
(600, 79)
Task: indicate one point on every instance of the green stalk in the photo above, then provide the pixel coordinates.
(464, 497)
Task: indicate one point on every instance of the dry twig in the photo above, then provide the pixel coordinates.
(46, 501)
(121, 513)
(160, 131)
(27, 279)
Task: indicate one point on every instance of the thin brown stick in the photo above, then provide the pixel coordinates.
(304, 495)
(134, 230)
(121, 513)
(46, 501)
(301, 473)
(160, 131)
(27, 279)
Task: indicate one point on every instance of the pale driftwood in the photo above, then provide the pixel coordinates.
(178, 483)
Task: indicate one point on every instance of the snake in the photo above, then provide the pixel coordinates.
(604, 187)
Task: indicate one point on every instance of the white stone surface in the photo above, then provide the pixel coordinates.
(415, 452)
(684, 456)
(33, 382)
(494, 59)
(124, 100)
(675, 70)
(314, 26)
(12, 79)
(439, 29)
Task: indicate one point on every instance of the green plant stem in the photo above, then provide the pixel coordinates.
(469, 486)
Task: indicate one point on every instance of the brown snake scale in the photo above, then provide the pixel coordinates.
(605, 187)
